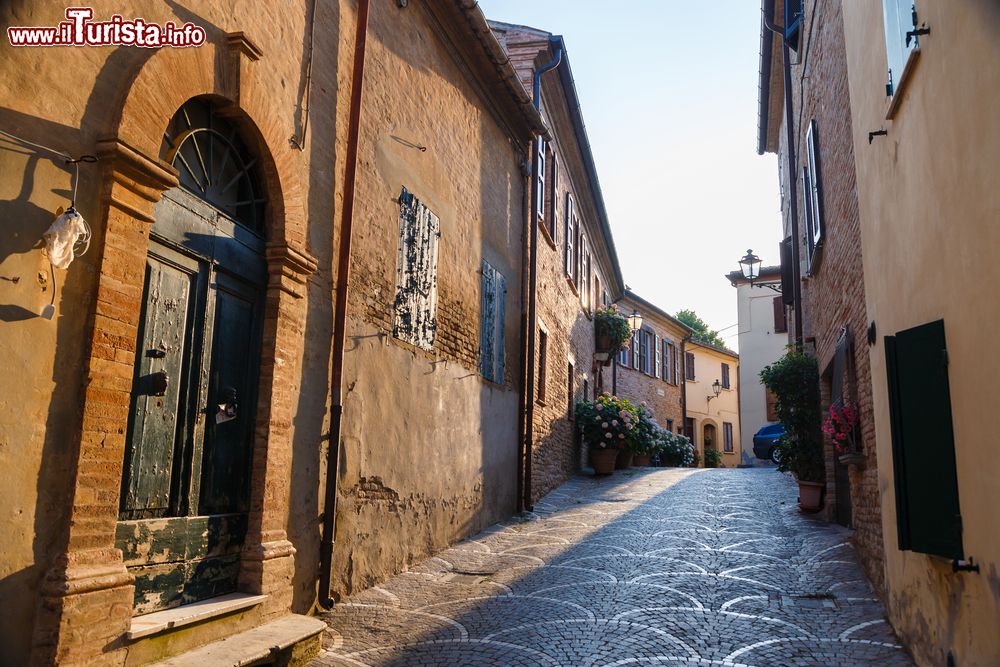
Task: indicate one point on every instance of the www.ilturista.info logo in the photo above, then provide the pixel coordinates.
(80, 30)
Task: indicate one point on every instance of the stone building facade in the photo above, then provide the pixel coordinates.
(763, 338)
(830, 271)
(171, 446)
(649, 370)
(577, 267)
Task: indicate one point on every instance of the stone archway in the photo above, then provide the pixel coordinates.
(86, 600)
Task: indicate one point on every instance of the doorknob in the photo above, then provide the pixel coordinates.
(156, 383)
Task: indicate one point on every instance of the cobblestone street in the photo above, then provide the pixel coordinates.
(655, 566)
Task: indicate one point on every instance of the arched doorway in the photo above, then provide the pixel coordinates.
(709, 442)
(186, 477)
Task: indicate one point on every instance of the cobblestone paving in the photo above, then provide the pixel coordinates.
(647, 567)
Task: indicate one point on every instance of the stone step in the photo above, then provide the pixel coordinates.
(255, 646)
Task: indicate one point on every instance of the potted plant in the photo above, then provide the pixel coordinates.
(606, 424)
(645, 440)
(713, 457)
(611, 330)
(841, 426)
(794, 380)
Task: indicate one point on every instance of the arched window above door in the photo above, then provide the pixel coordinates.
(215, 163)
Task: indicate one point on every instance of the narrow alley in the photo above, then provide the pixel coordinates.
(661, 566)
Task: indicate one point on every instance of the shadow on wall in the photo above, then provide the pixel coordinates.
(24, 221)
(317, 89)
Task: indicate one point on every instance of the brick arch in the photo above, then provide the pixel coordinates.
(86, 600)
(171, 77)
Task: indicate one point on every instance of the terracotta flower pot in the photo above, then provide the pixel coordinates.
(624, 461)
(603, 344)
(810, 496)
(603, 460)
(641, 460)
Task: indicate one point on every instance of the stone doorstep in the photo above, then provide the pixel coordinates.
(168, 619)
(251, 646)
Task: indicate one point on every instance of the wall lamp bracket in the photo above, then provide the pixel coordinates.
(877, 133)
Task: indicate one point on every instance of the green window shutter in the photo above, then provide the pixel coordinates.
(923, 445)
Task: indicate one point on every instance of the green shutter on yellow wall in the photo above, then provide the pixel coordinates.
(923, 446)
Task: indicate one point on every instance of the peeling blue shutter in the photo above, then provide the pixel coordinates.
(415, 306)
(491, 335)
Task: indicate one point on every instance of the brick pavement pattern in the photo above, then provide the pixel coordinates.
(646, 567)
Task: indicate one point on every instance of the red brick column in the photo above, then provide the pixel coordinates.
(86, 598)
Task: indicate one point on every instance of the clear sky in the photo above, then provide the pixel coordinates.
(669, 95)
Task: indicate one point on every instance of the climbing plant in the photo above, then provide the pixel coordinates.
(794, 380)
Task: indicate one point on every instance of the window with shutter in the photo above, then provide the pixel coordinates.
(415, 306)
(780, 316)
(541, 149)
(582, 279)
(793, 23)
(813, 196)
(570, 391)
(900, 18)
(725, 376)
(727, 437)
(658, 362)
(689, 366)
(675, 366)
(570, 234)
(644, 351)
(635, 349)
(670, 425)
(923, 446)
(543, 364)
(665, 368)
(553, 195)
(491, 334)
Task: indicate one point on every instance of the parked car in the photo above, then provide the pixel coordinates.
(764, 440)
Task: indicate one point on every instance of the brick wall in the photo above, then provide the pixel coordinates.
(833, 296)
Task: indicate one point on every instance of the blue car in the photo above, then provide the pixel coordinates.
(764, 439)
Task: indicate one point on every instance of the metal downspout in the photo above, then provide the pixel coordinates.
(340, 309)
(529, 388)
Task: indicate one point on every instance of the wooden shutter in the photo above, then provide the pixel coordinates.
(658, 364)
(570, 391)
(491, 334)
(543, 364)
(923, 445)
(553, 195)
(644, 351)
(814, 196)
(568, 260)
(727, 437)
(415, 307)
(780, 316)
(635, 349)
(725, 376)
(787, 273)
(689, 366)
(675, 365)
(540, 179)
(807, 209)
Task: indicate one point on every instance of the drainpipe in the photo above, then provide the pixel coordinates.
(340, 308)
(793, 197)
(529, 387)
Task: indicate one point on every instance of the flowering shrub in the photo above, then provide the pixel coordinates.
(610, 323)
(646, 434)
(839, 425)
(607, 421)
(676, 450)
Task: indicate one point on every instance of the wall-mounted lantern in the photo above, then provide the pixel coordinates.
(716, 389)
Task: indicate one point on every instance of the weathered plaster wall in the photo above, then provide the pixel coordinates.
(715, 412)
(430, 447)
(760, 345)
(928, 197)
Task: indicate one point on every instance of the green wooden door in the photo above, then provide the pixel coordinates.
(186, 478)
